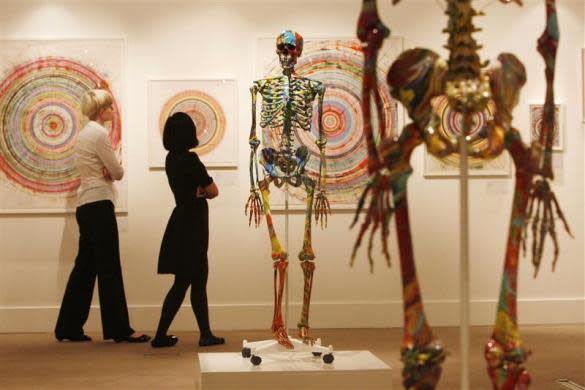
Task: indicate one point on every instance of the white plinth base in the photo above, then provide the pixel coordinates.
(257, 349)
(294, 370)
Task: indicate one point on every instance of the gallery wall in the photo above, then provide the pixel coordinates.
(215, 39)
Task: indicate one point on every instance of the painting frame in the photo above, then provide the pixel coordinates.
(105, 56)
(534, 113)
(215, 89)
(434, 168)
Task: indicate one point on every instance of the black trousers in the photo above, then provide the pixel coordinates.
(98, 255)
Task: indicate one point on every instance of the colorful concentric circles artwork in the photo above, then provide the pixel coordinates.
(205, 111)
(451, 125)
(536, 118)
(40, 116)
(338, 64)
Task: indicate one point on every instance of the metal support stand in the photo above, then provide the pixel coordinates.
(464, 252)
(286, 246)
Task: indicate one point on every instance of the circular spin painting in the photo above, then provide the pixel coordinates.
(338, 65)
(40, 117)
(451, 126)
(536, 122)
(205, 111)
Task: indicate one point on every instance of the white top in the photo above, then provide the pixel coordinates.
(94, 152)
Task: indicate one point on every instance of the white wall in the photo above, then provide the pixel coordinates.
(209, 38)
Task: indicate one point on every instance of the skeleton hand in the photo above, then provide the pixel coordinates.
(541, 204)
(254, 206)
(379, 214)
(322, 208)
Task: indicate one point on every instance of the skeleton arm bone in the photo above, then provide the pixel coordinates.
(547, 47)
(254, 202)
(322, 207)
(371, 31)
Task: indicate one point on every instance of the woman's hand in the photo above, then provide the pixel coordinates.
(106, 174)
(200, 192)
(208, 192)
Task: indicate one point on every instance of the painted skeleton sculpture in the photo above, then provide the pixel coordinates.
(415, 78)
(287, 104)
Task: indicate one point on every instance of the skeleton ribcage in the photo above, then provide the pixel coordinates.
(277, 92)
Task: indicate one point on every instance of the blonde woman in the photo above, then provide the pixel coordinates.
(99, 254)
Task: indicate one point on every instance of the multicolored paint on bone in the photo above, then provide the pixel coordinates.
(287, 106)
(418, 78)
(337, 63)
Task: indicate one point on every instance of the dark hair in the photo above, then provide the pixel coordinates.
(179, 133)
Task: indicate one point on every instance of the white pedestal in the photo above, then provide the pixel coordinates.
(294, 370)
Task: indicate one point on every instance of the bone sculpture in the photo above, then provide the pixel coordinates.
(287, 104)
(415, 78)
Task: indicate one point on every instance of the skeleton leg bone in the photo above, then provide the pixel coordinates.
(422, 353)
(306, 257)
(280, 264)
(504, 352)
(303, 325)
(279, 332)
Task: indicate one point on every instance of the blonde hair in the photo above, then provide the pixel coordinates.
(93, 101)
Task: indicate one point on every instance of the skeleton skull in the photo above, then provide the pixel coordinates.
(289, 46)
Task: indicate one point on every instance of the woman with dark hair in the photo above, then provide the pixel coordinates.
(183, 250)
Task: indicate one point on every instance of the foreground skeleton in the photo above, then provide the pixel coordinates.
(415, 79)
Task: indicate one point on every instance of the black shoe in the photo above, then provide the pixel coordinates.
(132, 339)
(164, 341)
(76, 338)
(211, 340)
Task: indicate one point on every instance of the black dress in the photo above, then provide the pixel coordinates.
(184, 246)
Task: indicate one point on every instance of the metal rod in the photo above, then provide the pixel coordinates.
(286, 249)
(464, 252)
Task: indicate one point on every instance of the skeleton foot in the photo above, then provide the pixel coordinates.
(505, 365)
(304, 335)
(422, 366)
(280, 334)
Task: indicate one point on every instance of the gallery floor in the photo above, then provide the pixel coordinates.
(38, 361)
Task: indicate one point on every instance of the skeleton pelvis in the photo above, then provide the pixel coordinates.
(284, 166)
(438, 98)
(485, 137)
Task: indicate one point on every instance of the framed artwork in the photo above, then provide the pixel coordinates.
(41, 86)
(337, 63)
(536, 124)
(211, 103)
(450, 125)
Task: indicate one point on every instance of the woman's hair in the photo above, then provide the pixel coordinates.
(93, 101)
(179, 133)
